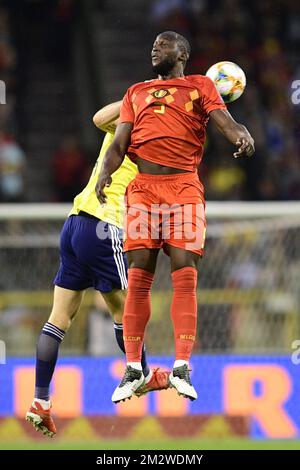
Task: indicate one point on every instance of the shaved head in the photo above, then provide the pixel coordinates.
(182, 42)
(170, 51)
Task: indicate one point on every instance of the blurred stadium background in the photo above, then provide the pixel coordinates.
(61, 60)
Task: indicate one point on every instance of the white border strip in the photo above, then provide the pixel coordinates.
(215, 209)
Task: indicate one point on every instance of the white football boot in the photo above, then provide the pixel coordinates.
(180, 379)
(132, 380)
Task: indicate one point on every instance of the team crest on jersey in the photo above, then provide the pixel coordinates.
(160, 93)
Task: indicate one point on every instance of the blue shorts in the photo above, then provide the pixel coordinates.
(91, 255)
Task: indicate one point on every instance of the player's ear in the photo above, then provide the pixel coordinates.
(183, 56)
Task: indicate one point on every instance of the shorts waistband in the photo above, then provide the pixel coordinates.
(147, 177)
(89, 216)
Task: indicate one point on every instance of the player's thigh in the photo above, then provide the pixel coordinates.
(73, 273)
(107, 262)
(66, 304)
(115, 301)
(143, 258)
(181, 258)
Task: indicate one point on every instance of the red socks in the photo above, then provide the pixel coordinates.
(184, 311)
(137, 312)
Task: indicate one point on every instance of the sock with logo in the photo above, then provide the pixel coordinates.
(184, 311)
(118, 327)
(137, 312)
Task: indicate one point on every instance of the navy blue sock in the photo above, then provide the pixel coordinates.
(46, 357)
(118, 327)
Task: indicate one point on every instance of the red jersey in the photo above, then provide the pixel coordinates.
(169, 119)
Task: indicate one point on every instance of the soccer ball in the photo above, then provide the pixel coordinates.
(229, 79)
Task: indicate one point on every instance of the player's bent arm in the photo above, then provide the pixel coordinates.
(106, 118)
(236, 133)
(113, 158)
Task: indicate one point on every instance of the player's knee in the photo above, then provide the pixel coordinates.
(115, 302)
(183, 259)
(143, 259)
(61, 320)
(117, 309)
(185, 279)
(69, 322)
(62, 324)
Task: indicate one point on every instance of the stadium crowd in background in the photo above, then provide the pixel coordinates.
(12, 157)
(12, 164)
(70, 168)
(263, 38)
(7, 71)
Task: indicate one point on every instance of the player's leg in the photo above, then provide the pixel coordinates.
(142, 264)
(142, 251)
(115, 301)
(184, 316)
(155, 379)
(184, 234)
(66, 304)
(70, 282)
(109, 267)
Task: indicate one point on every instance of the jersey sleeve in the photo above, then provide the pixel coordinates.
(126, 111)
(211, 97)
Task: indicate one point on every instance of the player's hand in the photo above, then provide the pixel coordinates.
(104, 181)
(246, 147)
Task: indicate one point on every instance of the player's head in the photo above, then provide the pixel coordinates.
(169, 49)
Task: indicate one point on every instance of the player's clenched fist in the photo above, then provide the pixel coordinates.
(104, 180)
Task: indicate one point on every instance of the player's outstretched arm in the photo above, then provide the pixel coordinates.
(236, 133)
(113, 158)
(105, 119)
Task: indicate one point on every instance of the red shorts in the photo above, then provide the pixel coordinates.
(165, 210)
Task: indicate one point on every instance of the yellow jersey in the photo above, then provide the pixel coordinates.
(113, 211)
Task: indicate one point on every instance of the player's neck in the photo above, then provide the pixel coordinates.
(169, 76)
(176, 72)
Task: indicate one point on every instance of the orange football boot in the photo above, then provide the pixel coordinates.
(158, 381)
(41, 419)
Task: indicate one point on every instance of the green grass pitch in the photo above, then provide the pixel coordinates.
(180, 444)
